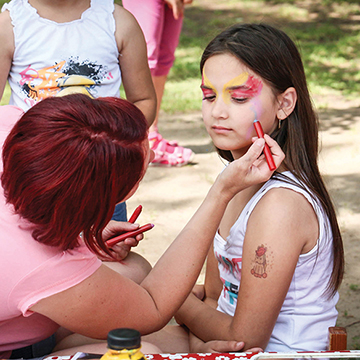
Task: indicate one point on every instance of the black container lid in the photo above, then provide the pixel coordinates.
(123, 338)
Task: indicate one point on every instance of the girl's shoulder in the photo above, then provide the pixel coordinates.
(285, 212)
(6, 27)
(286, 185)
(284, 196)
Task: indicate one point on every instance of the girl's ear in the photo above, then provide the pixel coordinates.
(287, 101)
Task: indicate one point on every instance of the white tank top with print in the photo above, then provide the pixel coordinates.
(306, 313)
(53, 59)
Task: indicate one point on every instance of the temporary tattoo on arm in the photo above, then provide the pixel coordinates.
(259, 268)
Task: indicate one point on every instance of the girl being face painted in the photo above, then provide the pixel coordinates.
(233, 97)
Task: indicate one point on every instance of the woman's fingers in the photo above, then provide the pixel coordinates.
(275, 150)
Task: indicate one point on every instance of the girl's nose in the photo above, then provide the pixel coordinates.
(219, 109)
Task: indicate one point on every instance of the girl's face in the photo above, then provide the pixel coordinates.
(233, 97)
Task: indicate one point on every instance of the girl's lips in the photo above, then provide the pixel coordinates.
(220, 129)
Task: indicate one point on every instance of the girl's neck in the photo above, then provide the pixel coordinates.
(60, 11)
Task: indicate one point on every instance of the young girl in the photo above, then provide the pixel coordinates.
(57, 47)
(277, 258)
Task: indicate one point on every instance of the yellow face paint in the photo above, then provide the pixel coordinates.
(239, 80)
(206, 84)
(235, 82)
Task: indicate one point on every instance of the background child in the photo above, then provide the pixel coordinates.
(277, 260)
(57, 47)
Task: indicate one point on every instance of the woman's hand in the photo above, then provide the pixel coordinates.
(122, 248)
(250, 169)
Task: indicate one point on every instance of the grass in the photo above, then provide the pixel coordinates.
(327, 33)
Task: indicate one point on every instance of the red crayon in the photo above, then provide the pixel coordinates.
(135, 214)
(267, 152)
(116, 239)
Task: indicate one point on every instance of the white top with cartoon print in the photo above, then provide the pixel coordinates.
(306, 313)
(53, 59)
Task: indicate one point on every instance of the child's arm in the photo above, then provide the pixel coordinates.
(6, 48)
(135, 72)
(285, 223)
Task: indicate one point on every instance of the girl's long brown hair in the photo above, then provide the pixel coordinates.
(271, 54)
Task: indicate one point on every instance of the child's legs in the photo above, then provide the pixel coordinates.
(161, 32)
(169, 41)
(159, 85)
(150, 16)
(120, 213)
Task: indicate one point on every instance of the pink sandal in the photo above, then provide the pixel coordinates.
(168, 153)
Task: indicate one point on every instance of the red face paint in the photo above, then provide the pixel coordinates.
(207, 88)
(207, 92)
(251, 88)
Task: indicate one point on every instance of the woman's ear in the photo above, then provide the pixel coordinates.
(287, 101)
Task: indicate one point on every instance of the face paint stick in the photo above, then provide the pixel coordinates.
(267, 152)
(136, 214)
(122, 237)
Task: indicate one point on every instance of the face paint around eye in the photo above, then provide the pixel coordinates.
(236, 82)
(248, 89)
(207, 87)
(208, 92)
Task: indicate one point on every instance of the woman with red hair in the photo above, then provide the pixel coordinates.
(66, 163)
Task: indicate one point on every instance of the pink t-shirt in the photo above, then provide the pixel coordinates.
(31, 271)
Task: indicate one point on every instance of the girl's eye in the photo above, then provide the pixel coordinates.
(239, 99)
(209, 98)
(208, 95)
(238, 96)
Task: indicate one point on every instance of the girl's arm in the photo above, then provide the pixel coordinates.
(107, 300)
(213, 284)
(135, 72)
(7, 49)
(285, 224)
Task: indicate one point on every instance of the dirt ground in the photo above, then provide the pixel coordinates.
(170, 196)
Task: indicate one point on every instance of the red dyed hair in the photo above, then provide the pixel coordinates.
(68, 161)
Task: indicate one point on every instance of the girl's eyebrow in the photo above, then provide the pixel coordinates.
(202, 86)
(238, 87)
